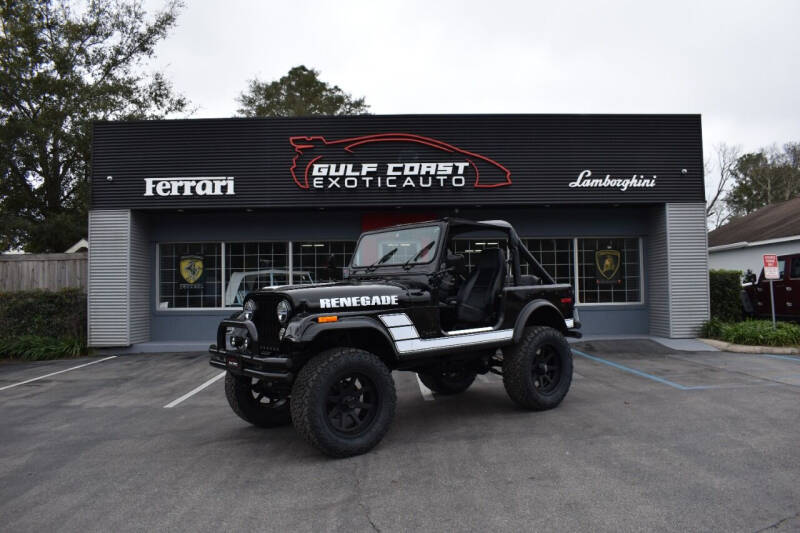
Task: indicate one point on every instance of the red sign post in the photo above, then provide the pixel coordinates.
(771, 272)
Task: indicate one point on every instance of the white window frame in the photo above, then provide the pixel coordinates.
(641, 300)
(223, 281)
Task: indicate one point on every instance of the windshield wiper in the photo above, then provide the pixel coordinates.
(382, 260)
(422, 252)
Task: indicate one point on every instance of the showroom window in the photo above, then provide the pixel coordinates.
(253, 265)
(320, 261)
(609, 270)
(555, 255)
(470, 248)
(189, 275)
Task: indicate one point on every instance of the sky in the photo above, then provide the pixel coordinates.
(735, 63)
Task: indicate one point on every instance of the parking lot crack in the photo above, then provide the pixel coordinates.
(777, 525)
(360, 500)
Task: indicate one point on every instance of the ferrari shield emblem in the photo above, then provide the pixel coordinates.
(191, 267)
(607, 263)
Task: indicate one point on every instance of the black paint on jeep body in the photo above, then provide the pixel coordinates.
(405, 314)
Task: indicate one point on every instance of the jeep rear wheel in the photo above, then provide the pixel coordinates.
(452, 381)
(343, 401)
(254, 401)
(537, 371)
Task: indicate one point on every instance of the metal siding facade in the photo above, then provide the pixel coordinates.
(543, 153)
(109, 277)
(688, 268)
(140, 273)
(658, 274)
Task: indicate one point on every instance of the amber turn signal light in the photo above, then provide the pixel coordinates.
(324, 319)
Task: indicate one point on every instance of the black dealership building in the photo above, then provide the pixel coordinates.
(187, 216)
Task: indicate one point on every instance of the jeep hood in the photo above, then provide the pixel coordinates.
(350, 295)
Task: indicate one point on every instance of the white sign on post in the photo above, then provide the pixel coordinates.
(771, 267)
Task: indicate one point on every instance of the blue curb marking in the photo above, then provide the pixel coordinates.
(784, 357)
(640, 373)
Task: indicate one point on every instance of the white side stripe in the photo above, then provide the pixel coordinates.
(422, 345)
(395, 319)
(404, 332)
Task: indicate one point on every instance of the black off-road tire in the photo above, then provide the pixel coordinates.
(525, 373)
(249, 407)
(322, 387)
(448, 382)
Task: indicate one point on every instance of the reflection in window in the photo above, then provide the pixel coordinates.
(555, 255)
(250, 266)
(609, 270)
(470, 248)
(189, 275)
(320, 261)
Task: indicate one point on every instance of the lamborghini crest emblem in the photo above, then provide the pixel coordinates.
(191, 267)
(607, 262)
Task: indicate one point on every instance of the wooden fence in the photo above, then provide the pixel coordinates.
(19, 272)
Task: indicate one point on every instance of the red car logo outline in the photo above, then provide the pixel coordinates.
(300, 143)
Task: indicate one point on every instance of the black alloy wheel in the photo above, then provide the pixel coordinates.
(352, 404)
(546, 369)
(254, 401)
(537, 370)
(343, 401)
(450, 381)
(266, 397)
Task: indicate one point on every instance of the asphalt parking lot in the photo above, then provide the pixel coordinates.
(648, 438)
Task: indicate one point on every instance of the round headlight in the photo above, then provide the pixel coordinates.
(250, 305)
(283, 311)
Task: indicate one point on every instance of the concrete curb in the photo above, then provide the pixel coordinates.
(741, 348)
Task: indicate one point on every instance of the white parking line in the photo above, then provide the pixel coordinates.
(54, 373)
(427, 394)
(192, 392)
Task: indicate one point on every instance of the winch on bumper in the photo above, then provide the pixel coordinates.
(237, 352)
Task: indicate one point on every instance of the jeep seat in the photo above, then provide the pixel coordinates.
(475, 302)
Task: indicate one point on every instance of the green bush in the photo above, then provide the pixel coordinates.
(712, 329)
(39, 324)
(34, 348)
(725, 287)
(59, 314)
(753, 332)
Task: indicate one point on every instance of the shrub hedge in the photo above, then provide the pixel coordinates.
(753, 332)
(42, 324)
(725, 287)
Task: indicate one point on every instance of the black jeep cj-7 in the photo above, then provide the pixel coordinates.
(320, 356)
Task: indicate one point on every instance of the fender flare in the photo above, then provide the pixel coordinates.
(314, 329)
(526, 313)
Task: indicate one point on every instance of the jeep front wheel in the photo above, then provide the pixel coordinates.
(452, 381)
(343, 401)
(537, 371)
(254, 401)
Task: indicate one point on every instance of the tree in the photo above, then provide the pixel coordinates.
(299, 93)
(765, 177)
(717, 211)
(63, 66)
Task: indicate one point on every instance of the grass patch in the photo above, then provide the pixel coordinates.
(752, 332)
(36, 348)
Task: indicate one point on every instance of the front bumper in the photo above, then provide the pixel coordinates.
(239, 361)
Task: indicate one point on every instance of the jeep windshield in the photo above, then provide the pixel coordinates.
(410, 246)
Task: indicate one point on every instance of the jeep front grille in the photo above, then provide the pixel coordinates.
(266, 322)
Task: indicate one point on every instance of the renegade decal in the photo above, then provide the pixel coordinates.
(323, 164)
(357, 301)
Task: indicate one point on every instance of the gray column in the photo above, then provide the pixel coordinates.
(118, 292)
